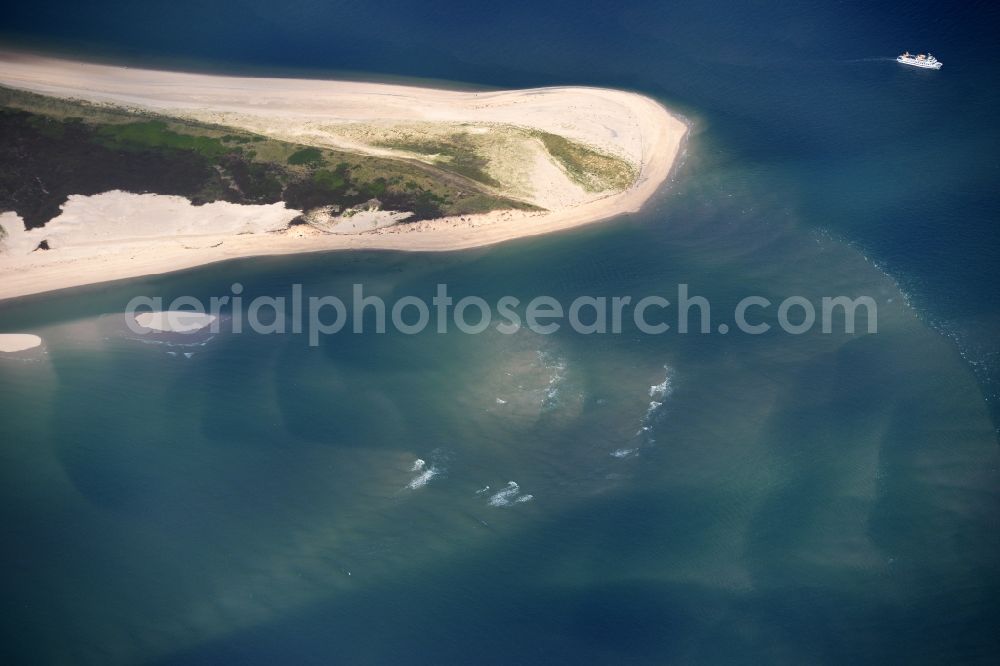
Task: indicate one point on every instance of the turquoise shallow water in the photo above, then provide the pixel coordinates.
(800, 499)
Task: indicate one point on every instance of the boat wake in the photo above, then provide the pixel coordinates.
(875, 59)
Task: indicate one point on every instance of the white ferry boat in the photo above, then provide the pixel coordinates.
(926, 61)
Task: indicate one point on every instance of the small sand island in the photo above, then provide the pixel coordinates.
(16, 342)
(121, 172)
(175, 321)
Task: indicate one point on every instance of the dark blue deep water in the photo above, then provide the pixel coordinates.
(813, 499)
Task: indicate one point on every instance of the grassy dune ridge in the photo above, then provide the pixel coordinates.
(493, 153)
(57, 147)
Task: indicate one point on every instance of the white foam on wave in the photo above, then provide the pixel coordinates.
(418, 465)
(557, 375)
(663, 389)
(509, 495)
(422, 479)
(171, 343)
(659, 394)
(644, 435)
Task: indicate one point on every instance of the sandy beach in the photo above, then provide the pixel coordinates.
(625, 124)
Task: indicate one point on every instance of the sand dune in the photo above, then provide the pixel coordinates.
(624, 124)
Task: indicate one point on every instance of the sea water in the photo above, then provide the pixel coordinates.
(815, 498)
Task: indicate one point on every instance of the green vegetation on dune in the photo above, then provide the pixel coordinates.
(43, 160)
(307, 156)
(53, 148)
(155, 134)
(237, 138)
(488, 155)
(332, 179)
(455, 152)
(594, 170)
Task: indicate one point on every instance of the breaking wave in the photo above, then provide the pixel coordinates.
(423, 478)
(511, 494)
(557, 375)
(658, 394)
(435, 465)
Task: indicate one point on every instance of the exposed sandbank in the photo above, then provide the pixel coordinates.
(175, 321)
(620, 123)
(15, 342)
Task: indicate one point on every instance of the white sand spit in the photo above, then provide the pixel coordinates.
(631, 126)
